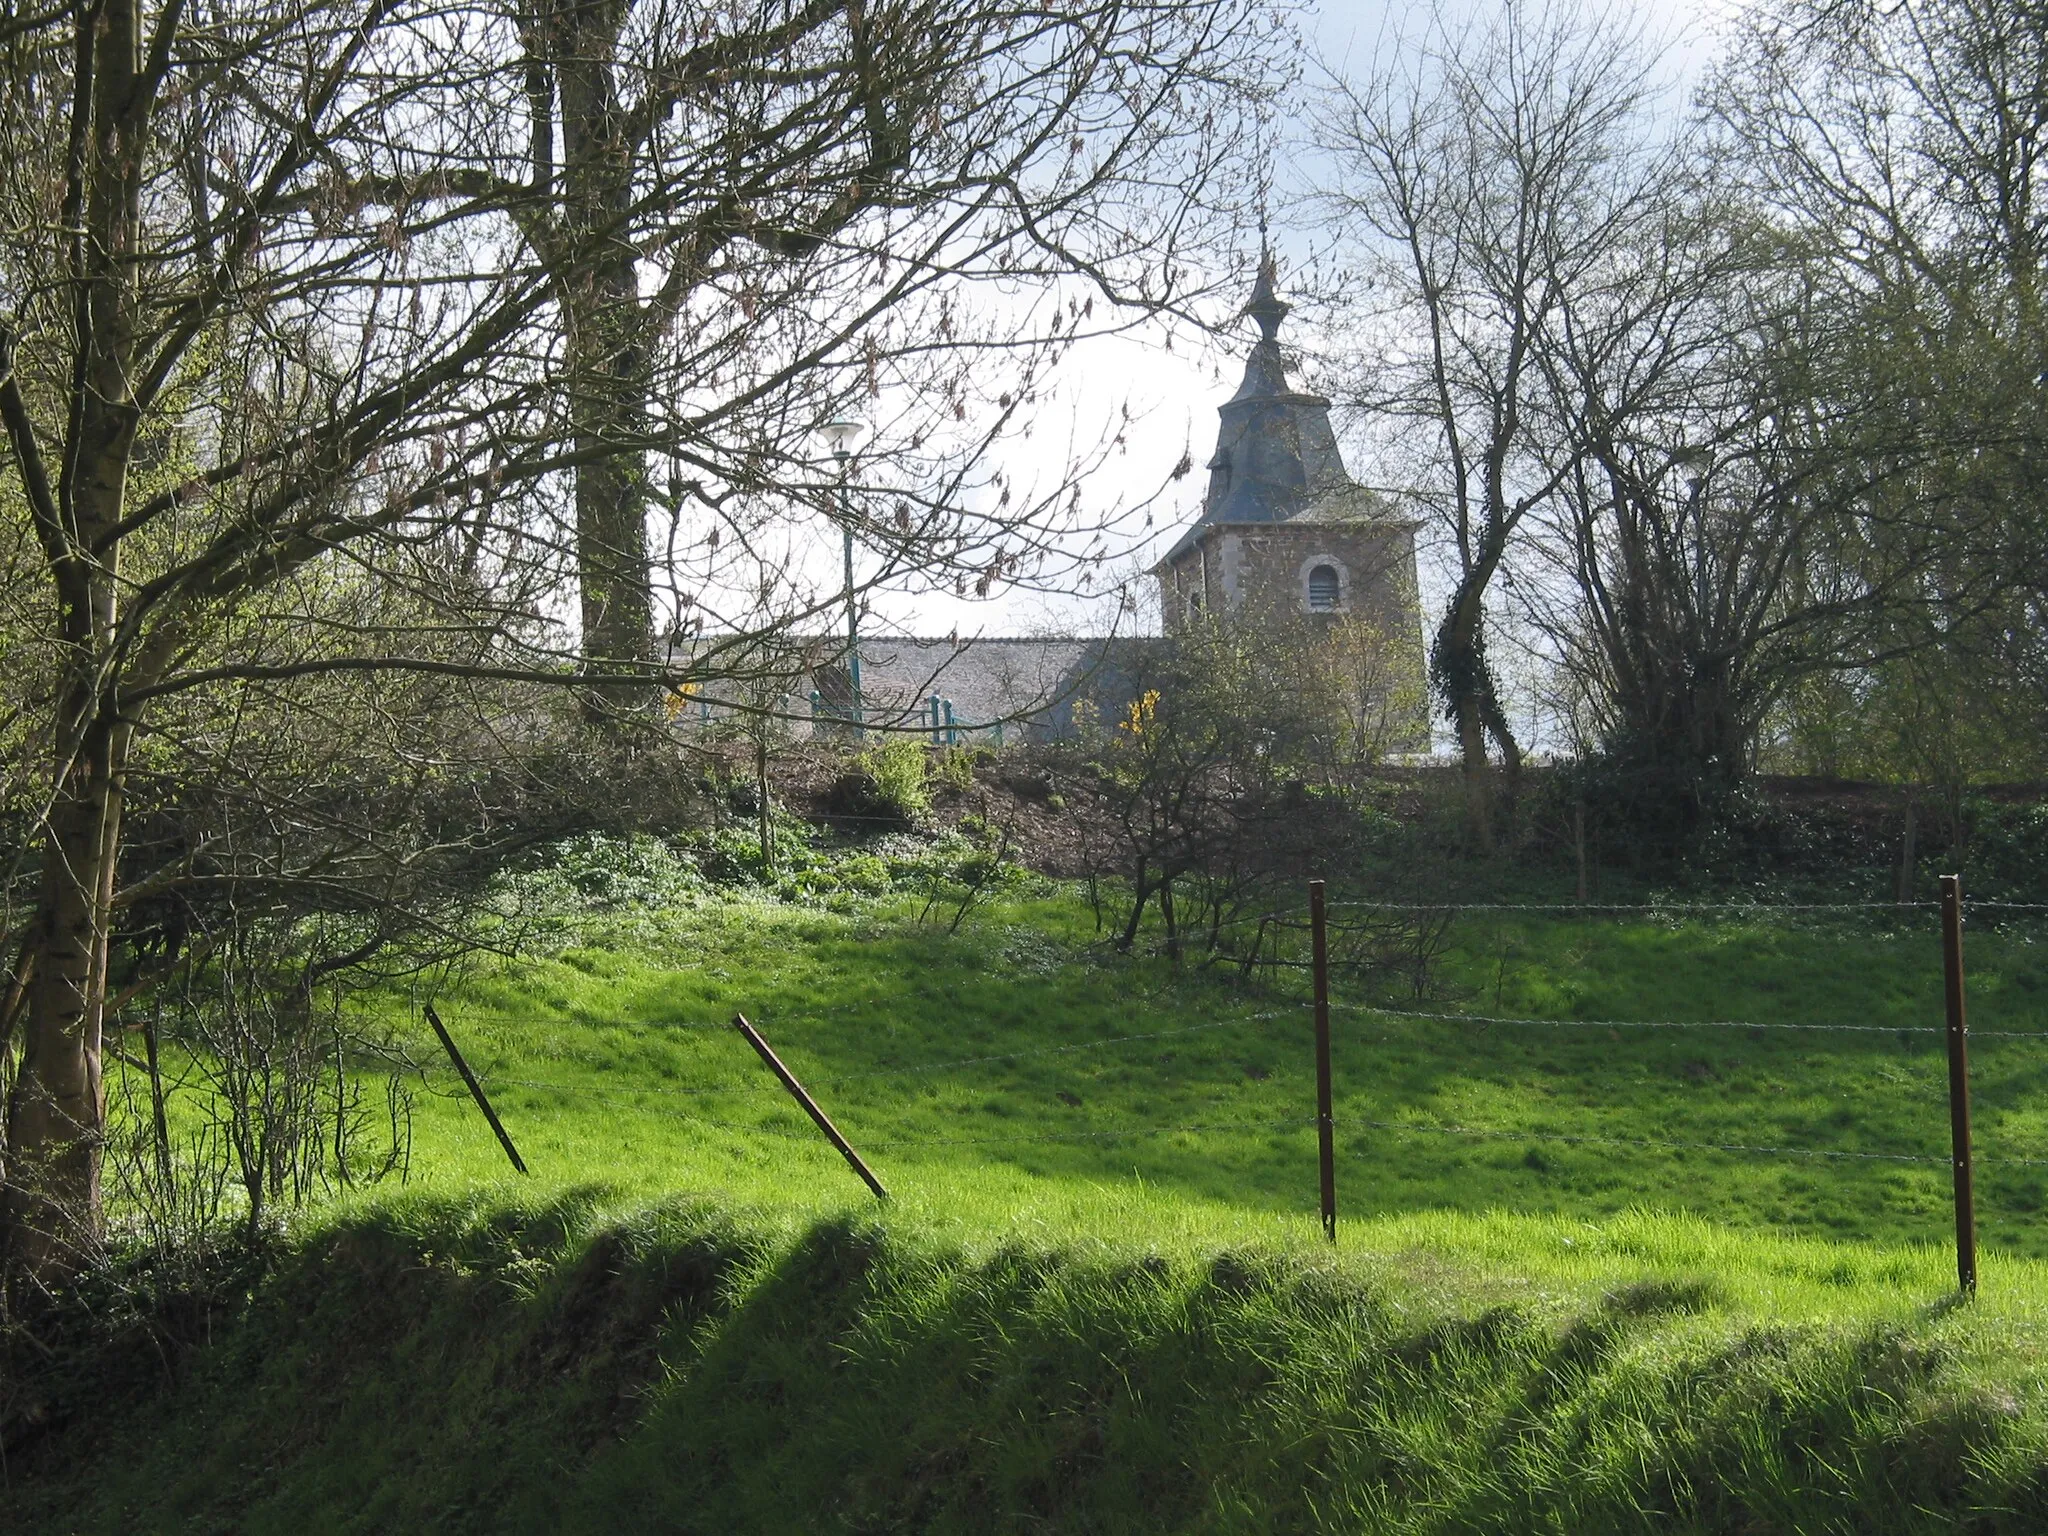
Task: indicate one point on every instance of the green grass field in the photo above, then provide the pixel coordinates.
(1099, 1299)
(987, 1069)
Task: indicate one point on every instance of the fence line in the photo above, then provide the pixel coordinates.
(1960, 1159)
(1296, 920)
(1641, 1141)
(1110, 1135)
(1860, 1029)
(1757, 908)
(749, 1085)
(1398, 1127)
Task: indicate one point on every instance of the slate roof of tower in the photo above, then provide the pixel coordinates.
(1276, 454)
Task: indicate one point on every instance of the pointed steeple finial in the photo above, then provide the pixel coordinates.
(1265, 305)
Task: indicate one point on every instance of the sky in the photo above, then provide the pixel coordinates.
(1172, 395)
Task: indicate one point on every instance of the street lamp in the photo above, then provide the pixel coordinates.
(840, 435)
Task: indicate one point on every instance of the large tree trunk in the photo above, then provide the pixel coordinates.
(607, 354)
(57, 1114)
(1458, 660)
(609, 380)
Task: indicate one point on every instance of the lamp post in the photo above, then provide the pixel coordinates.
(840, 435)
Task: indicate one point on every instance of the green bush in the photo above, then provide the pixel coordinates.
(885, 783)
(596, 872)
(954, 769)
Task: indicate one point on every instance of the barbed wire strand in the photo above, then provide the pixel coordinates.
(763, 1085)
(739, 1085)
(1297, 918)
(1641, 1141)
(1398, 1127)
(1859, 1029)
(1758, 908)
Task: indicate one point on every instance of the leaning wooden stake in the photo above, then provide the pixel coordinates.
(1959, 1083)
(476, 1089)
(818, 1116)
(1326, 1147)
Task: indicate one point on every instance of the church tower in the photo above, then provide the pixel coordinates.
(1286, 538)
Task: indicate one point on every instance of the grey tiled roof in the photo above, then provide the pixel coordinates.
(1029, 684)
(1276, 458)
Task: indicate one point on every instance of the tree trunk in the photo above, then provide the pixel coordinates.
(611, 500)
(1579, 846)
(1458, 660)
(1478, 777)
(1907, 852)
(1141, 891)
(599, 287)
(1504, 738)
(57, 1113)
(763, 807)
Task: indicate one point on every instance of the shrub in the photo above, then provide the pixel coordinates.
(954, 770)
(887, 783)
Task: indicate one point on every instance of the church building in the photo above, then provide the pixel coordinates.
(1286, 538)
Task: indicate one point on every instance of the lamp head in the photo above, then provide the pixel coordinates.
(840, 435)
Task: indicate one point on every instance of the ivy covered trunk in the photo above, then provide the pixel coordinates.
(1464, 683)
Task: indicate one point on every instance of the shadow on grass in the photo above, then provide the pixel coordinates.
(466, 1367)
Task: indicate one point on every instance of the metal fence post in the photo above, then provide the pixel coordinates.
(1959, 1083)
(1326, 1149)
(810, 1105)
(476, 1089)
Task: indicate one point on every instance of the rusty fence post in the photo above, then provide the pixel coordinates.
(476, 1089)
(1326, 1149)
(1959, 1083)
(818, 1116)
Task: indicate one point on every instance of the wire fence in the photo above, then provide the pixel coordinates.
(634, 1095)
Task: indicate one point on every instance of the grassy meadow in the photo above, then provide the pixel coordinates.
(1098, 1299)
(984, 1070)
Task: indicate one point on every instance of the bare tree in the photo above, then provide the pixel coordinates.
(728, 205)
(1901, 149)
(1709, 545)
(1482, 175)
(289, 398)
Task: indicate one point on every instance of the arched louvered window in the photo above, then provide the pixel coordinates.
(1194, 602)
(1325, 589)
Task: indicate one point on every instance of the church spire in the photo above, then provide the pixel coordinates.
(1266, 305)
(1275, 450)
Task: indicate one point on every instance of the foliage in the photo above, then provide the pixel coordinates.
(952, 768)
(888, 783)
(986, 872)
(1219, 779)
